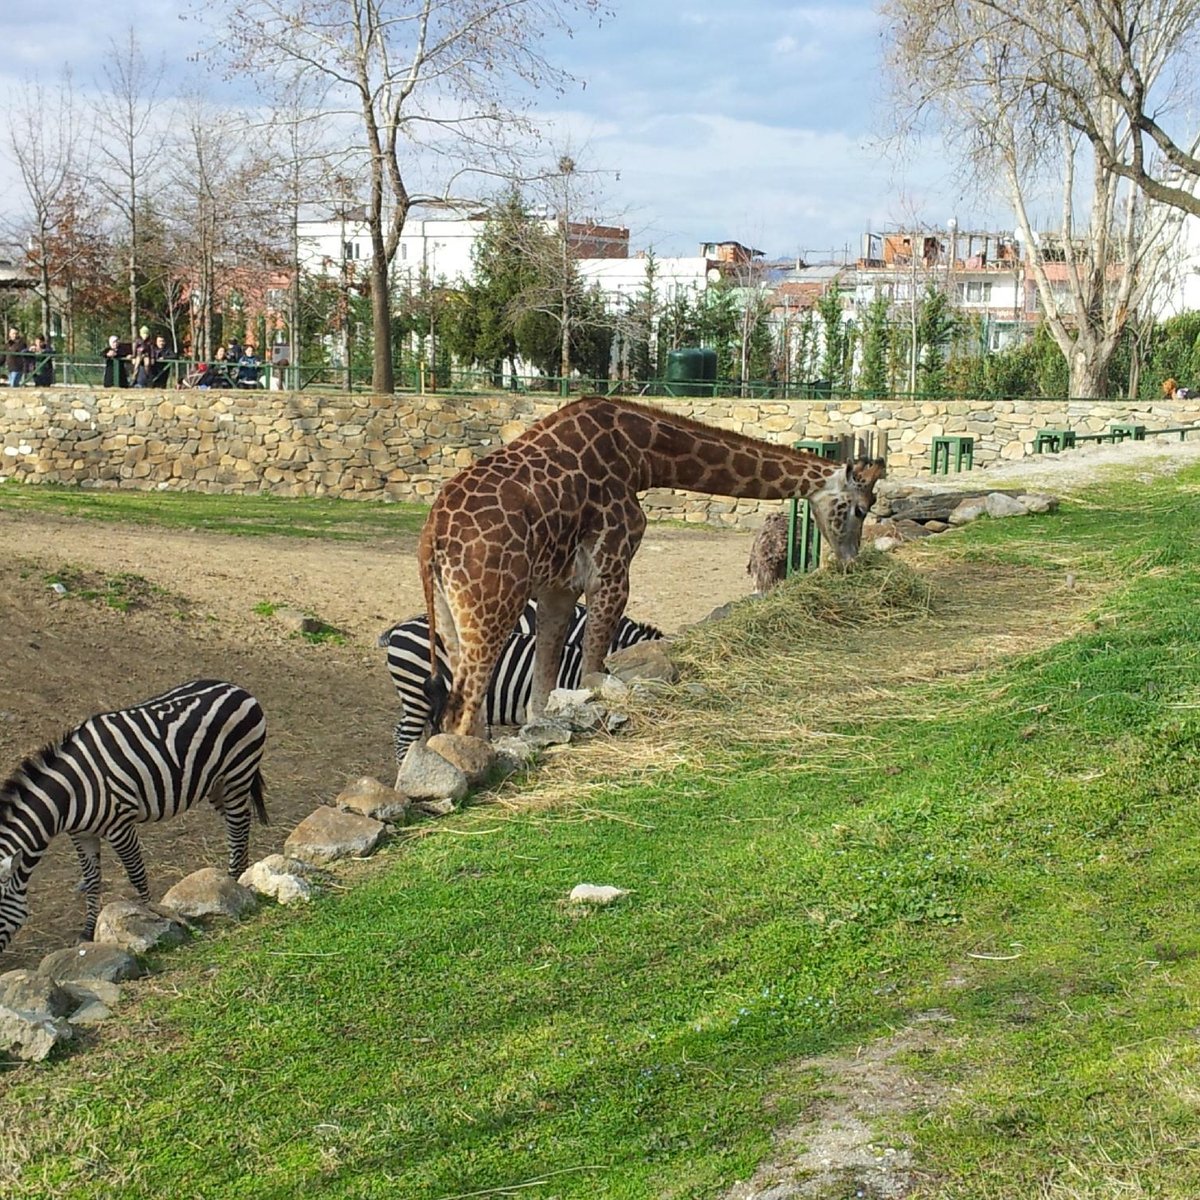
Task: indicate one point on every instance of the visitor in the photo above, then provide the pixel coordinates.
(249, 368)
(116, 373)
(15, 362)
(160, 356)
(42, 362)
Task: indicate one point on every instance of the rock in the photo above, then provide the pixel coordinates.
(370, 798)
(210, 892)
(575, 708)
(89, 961)
(513, 754)
(615, 720)
(1000, 505)
(1039, 502)
(278, 877)
(295, 621)
(91, 1013)
(31, 991)
(542, 732)
(473, 756)
(426, 775)
(436, 808)
(644, 661)
(968, 511)
(590, 893)
(908, 530)
(937, 526)
(327, 834)
(93, 991)
(887, 543)
(936, 506)
(608, 688)
(30, 1036)
(137, 928)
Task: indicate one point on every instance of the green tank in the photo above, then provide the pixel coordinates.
(691, 371)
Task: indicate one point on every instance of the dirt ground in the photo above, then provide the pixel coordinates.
(330, 708)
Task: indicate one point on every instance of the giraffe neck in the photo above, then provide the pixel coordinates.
(685, 454)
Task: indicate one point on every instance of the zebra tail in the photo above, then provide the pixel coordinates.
(257, 790)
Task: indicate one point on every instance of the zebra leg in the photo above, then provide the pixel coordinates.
(124, 840)
(87, 849)
(236, 812)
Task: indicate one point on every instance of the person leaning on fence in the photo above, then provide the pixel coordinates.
(116, 374)
(43, 362)
(160, 356)
(248, 368)
(15, 361)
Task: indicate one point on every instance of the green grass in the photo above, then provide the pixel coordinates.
(343, 520)
(1018, 849)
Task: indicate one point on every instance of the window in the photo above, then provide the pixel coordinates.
(975, 292)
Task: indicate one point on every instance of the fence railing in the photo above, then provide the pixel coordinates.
(92, 372)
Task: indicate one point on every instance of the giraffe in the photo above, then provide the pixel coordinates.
(555, 514)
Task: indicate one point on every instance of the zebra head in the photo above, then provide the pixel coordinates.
(14, 905)
(842, 502)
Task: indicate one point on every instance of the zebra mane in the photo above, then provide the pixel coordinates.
(10, 789)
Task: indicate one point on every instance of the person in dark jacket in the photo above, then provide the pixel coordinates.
(42, 360)
(116, 374)
(14, 362)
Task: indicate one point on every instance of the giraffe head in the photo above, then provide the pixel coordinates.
(842, 502)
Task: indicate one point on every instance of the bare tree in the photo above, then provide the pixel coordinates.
(126, 149)
(450, 76)
(46, 146)
(985, 70)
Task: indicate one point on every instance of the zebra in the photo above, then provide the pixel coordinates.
(119, 769)
(407, 645)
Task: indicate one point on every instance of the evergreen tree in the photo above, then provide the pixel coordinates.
(876, 343)
(833, 334)
(936, 324)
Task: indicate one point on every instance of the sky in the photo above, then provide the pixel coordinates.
(703, 120)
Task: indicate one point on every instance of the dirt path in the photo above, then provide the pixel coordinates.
(330, 708)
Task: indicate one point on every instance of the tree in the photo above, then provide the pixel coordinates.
(936, 326)
(987, 69)
(454, 75)
(127, 153)
(833, 333)
(876, 340)
(44, 145)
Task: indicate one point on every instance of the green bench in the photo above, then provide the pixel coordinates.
(1053, 440)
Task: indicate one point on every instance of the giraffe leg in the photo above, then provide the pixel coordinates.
(87, 849)
(481, 635)
(608, 587)
(556, 608)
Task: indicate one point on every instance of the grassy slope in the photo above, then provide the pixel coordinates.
(243, 515)
(448, 1027)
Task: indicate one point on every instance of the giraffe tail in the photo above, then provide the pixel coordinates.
(436, 687)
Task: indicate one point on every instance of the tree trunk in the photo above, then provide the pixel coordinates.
(1089, 373)
(383, 379)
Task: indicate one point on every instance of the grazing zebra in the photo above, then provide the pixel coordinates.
(119, 769)
(407, 645)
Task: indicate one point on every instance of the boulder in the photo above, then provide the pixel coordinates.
(370, 798)
(92, 1012)
(1001, 505)
(1038, 502)
(969, 510)
(31, 991)
(210, 892)
(327, 834)
(473, 756)
(30, 1036)
(436, 808)
(643, 661)
(608, 688)
(280, 878)
(426, 775)
(931, 506)
(545, 731)
(137, 928)
(909, 531)
(89, 961)
(575, 708)
(884, 544)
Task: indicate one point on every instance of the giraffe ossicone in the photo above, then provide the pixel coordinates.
(555, 514)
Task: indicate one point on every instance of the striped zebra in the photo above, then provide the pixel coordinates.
(407, 645)
(119, 769)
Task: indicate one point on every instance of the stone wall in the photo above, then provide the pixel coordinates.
(402, 447)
